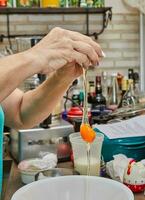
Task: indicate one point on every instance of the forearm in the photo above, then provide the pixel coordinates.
(39, 103)
(14, 69)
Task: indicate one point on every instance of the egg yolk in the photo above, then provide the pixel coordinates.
(87, 133)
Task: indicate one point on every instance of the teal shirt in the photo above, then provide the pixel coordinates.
(1, 146)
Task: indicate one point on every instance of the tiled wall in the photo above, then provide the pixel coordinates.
(120, 41)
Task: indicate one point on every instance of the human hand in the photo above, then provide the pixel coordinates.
(63, 47)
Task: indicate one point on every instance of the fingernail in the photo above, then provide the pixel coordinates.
(103, 54)
(97, 64)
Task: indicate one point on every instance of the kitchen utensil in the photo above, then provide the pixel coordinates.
(80, 153)
(29, 168)
(74, 187)
(134, 176)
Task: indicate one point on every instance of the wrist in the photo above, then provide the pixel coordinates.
(35, 60)
(64, 76)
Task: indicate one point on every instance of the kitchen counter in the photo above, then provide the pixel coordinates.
(14, 182)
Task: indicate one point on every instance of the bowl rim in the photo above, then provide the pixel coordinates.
(24, 188)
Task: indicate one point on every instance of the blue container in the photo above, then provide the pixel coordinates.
(132, 147)
(1, 147)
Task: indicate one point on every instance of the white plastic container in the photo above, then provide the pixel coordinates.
(28, 176)
(74, 188)
(79, 147)
(29, 168)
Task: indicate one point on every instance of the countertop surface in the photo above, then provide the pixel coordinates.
(14, 182)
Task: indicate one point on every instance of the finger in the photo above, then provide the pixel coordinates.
(81, 59)
(76, 57)
(87, 50)
(67, 46)
(80, 37)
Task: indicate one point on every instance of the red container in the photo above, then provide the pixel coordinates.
(3, 3)
(76, 112)
(74, 116)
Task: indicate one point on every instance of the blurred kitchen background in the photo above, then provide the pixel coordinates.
(119, 80)
(120, 40)
(116, 88)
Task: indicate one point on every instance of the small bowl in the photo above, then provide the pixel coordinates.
(28, 174)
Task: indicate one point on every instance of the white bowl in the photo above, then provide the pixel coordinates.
(74, 188)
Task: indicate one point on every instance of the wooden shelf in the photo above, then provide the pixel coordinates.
(54, 10)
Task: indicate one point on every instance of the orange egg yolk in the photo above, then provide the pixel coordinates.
(87, 133)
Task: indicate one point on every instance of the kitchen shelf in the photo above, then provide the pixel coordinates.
(105, 11)
(70, 10)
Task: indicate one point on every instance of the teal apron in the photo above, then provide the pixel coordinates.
(1, 146)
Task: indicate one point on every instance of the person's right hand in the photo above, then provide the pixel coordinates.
(62, 47)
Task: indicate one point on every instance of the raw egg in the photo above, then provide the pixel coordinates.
(87, 133)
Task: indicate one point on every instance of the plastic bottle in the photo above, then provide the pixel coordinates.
(114, 93)
(124, 88)
(105, 84)
(129, 98)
